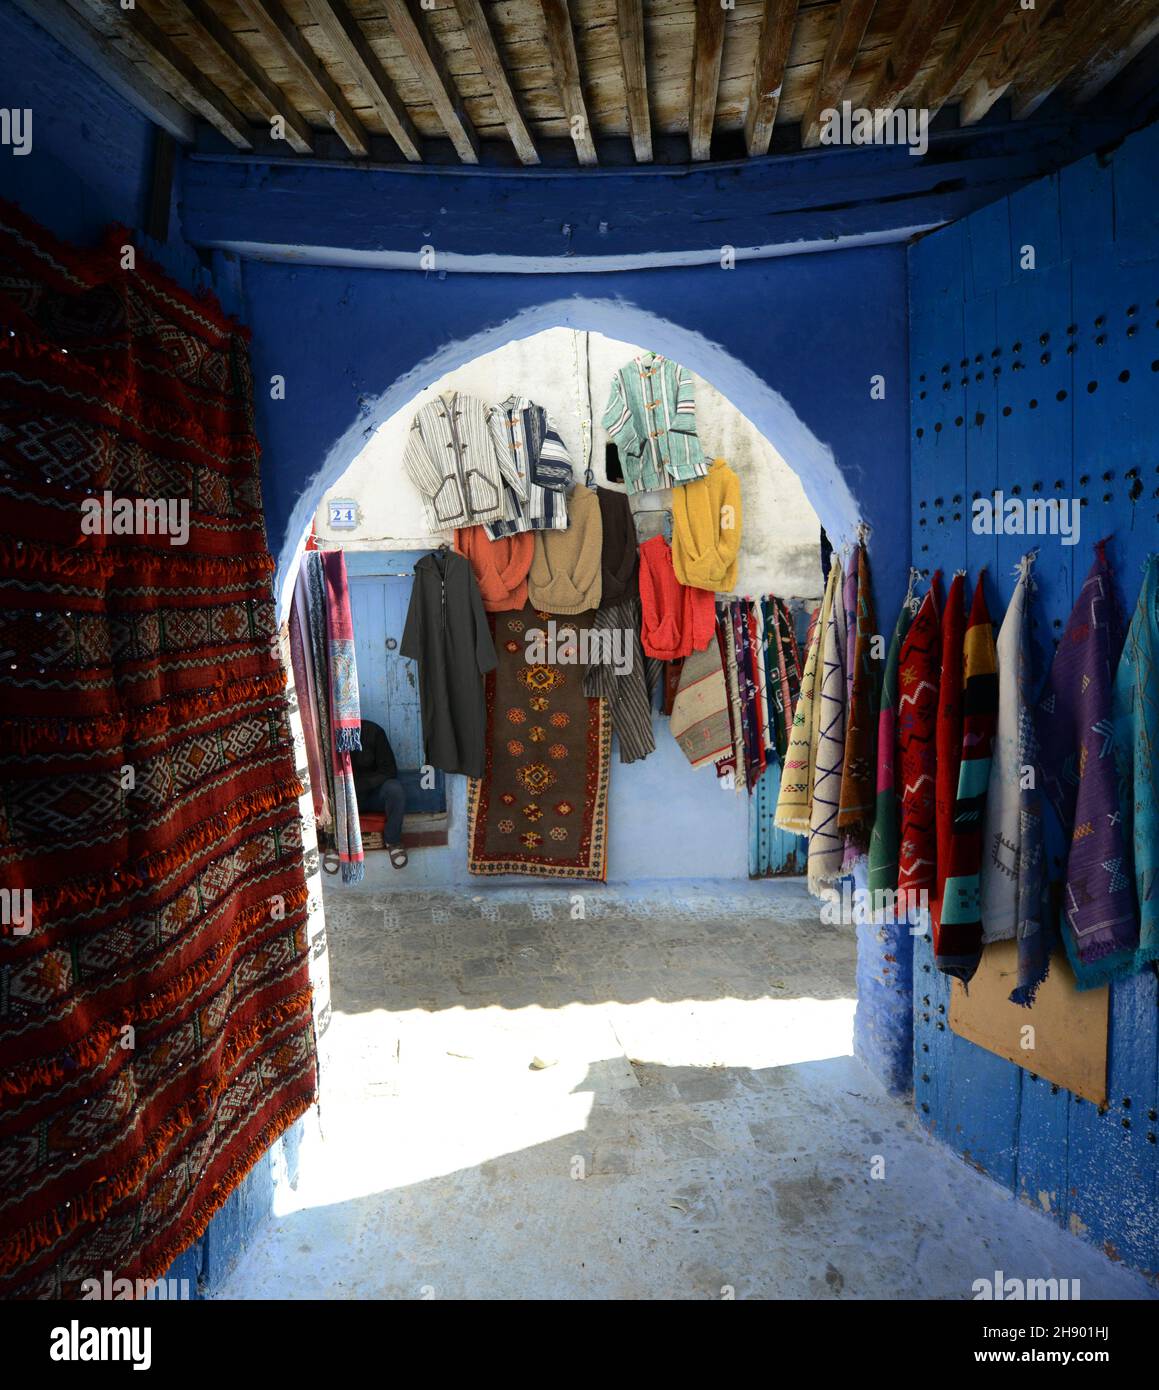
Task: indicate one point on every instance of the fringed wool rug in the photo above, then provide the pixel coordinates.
(541, 806)
(155, 1020)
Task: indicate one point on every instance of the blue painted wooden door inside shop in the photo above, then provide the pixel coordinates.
(380, 590)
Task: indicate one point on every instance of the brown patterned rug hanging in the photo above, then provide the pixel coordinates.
(541, 806)
(155, 1023)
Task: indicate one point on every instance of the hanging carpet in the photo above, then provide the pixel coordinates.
(155, 1019)
(541, 805)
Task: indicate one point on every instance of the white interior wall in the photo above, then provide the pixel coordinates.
(780, 546)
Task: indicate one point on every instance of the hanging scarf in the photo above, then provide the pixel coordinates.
(726, 637)
(327, 626)
(916, 718)
(883, 842)
(948, 735)
(757, 646)
(1012, 843)
(1079, 779)
(1136, 714)
(788, 673)
(826, 843)
(306, 694)
(857, 779)
(747, 695)
(958, 935)
(795, 800)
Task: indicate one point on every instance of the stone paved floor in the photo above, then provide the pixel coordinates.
(655, 1100)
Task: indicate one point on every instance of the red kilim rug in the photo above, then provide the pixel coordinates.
(541, 806)
(155, 1025)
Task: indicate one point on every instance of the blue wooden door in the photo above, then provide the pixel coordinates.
(772, 852)
(388, 690)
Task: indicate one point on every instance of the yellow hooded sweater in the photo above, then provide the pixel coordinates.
(706, 529)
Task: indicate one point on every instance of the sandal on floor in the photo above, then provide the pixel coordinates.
(398, 855)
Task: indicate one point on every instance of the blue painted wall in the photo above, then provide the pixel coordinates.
(1078, 416)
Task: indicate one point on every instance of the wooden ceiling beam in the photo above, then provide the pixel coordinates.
(1080, 28)
(346, 37)
(630, 27)
(706, 54)
(409, 22)
(221, 40)
(74, 33)
(912, 40)
(282, 34)
(978, 26)
(1101, 67)
(777, 24)
(1023, 40)
(565, 65)
(478, 31)
(849, 26)
(149, 45)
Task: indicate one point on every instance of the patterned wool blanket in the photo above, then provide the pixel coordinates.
(1012, 849)
(863, 687)
(541, 806)
(826, 843)
(918, 667)
(948, 733)
(958, 933)
(883, 842)
(795, 801)
(1079, 779)
(155, 1019)
(1136, 715)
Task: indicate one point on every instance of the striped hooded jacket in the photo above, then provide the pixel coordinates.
(458, 459)
(651, 417)
(535, 455)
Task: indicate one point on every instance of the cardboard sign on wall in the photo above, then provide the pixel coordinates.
(1070, 1025)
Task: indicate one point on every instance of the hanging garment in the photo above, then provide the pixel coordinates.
(858, 777)
(651, 417)
(150, 920)
(948, 734)
(330, 612)
(1012, 853)
(1079, 778)
(619, 558)
(676, 620)
(448, 636)
(958, 933)
(541, 805)
(783, 669)
(565, 573)
(795, 801)
(1136, 716)
(706, 529)
(699, 722)
(730, 767)
(624, 685)
(917, 709)
(312, 702)
(826, 843)
(761, 676)
(883, 842)
(746, 685)
(536, 455)
(458, 459)
(500, 567)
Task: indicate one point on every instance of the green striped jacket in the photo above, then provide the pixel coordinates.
(651, 417)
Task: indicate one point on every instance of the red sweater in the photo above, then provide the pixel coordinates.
(500, 567)
(677, 620)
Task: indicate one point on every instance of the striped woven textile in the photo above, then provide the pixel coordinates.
(155, 1019)
(863, 685)
(699, 722)
(883, 842)
(948, 734)
(626, 689)
(795, 800)
(958, 935)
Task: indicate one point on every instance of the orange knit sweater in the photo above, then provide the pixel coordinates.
(500, 567)
(676, 620)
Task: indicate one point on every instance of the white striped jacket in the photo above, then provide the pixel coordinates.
(457, 458)
(539, 456)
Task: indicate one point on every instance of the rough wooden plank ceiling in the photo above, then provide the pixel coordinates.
(455, 76)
